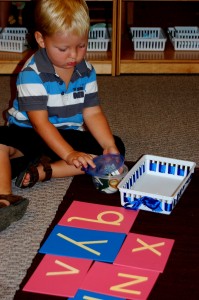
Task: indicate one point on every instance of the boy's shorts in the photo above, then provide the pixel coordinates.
(31, 144)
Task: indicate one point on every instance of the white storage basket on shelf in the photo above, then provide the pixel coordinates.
(155, 184)
(98, 38)
(184, 38)
(148, 39)
(13, 39)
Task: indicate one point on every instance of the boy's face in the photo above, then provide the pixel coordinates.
(64, 50)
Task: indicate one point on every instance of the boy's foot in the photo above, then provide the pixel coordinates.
(30, 176)
(12, 208)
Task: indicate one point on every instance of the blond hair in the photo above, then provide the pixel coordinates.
(52, 16)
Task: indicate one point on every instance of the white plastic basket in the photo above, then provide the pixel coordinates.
(15, 30)
(155, 184)
(186, 29)
(97, 33)
(98, 39)
(13, 39)
(184, 38)
(148, 39)
(97, 45)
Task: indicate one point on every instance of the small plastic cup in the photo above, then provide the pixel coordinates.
(108, 183)
(105, 164)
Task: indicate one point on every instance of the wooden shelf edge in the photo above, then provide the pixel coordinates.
(159, 67)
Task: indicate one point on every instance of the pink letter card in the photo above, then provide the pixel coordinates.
(119, 281)
(60, 276)
(83, 243)
(98, 217)
(146, 252)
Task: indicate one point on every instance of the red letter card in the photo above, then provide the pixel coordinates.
(57, 275)
(119, 281)
(98, 217)
(146, 252)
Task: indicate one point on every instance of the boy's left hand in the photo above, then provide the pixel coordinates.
(80, 159)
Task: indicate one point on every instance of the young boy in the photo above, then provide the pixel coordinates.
(57, 98)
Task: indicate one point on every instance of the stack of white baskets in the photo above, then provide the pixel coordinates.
(13, 39)
(184, 38)
(148, 38)
(98, 38)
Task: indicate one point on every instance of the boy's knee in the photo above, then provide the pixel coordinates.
(4, 148)
(11, 151)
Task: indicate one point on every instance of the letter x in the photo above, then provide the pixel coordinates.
(149, 247)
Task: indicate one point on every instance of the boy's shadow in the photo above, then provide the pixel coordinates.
(13, 92)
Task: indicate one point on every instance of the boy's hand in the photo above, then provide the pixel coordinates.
(113, 150)
(80, 159)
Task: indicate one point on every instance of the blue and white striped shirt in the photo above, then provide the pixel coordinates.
(40, 88)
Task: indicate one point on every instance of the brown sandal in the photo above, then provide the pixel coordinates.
(34, 175)
(10, 198)
(12, 212)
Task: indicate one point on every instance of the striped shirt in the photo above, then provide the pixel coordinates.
(40, 88)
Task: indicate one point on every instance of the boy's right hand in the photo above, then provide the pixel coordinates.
(80, 159)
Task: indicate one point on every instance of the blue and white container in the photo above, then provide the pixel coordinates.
(155, 184)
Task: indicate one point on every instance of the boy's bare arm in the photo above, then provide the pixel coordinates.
(98, 125)
(52, 137)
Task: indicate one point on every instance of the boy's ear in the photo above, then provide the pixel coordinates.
(39, 38)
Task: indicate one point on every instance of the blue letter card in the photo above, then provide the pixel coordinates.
(82, 294)
(83, 243)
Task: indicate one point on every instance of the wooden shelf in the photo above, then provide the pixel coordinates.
(104, 62)
(11, 63)
(134, 62)
(168, 61)
(121, 59)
